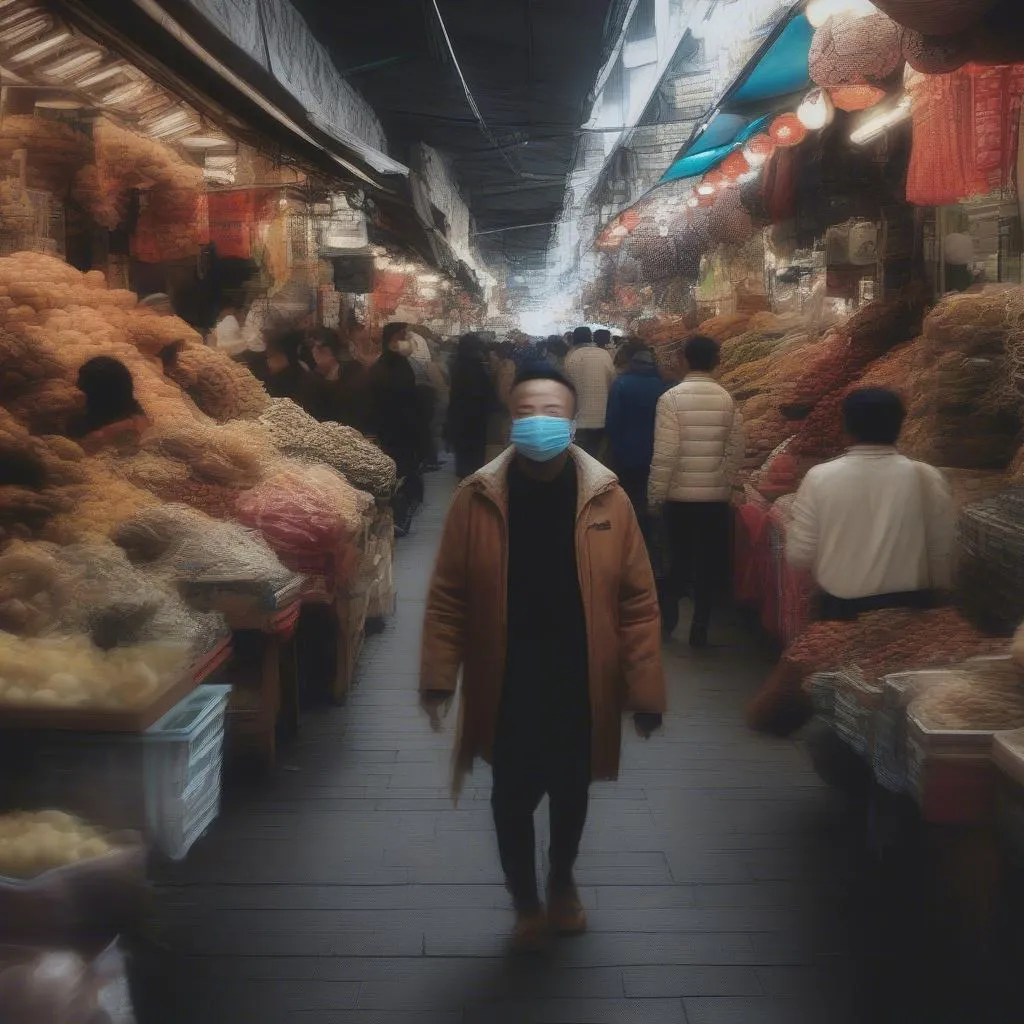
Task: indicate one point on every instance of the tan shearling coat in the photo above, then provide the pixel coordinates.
(466, 620)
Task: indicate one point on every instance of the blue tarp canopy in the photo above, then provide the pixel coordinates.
(699, 160)
(781, 70)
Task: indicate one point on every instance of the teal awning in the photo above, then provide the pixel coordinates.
(784, 69)
(699, 161)
(781, 70)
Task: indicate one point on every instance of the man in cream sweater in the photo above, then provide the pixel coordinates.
(875, 527)
(698, 453)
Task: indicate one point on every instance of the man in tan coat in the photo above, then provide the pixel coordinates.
(543, 596)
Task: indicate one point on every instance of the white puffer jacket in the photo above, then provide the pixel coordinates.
(698, 443)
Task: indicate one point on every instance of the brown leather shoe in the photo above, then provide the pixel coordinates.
(531, 932)
(566, 913)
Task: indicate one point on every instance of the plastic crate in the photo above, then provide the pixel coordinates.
(180, 745)
(183, 821)
(889, 746)
(950, 773)
(855, 702)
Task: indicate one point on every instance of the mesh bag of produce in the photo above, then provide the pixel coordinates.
(990, 585)
(938, 17)
(848, 50)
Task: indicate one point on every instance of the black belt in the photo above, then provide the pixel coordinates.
(845, 609)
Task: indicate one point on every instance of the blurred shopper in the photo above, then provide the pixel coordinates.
(543, 598)
(340, 392)
(112, 416)
(603, 339)
(396, 418)
(698, 453)
(625, 352)
(875, 527)
(286, 377)
(555, 351)
(421, 360)
(503, 373)
(591, 371)
(632, 411)
(227, 336)
(470, 404)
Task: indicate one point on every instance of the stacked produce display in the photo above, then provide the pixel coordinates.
(125, 565)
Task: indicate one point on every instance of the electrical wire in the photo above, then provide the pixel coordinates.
(469, 95)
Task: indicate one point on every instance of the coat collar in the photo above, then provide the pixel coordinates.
(871, 451)
(593, 478)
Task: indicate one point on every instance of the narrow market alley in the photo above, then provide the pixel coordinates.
(717, 870)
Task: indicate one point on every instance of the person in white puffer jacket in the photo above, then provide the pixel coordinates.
(698, 453)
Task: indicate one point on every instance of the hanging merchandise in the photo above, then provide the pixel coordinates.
(850, 51)
(816, 112)
(934, 55)
(852, 98)
(942, 169)
(936, 17)
(759, 149)
(734, 166)
(786, 130)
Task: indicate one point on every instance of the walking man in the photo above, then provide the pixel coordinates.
(591, 371)
(698, 452)
(543, 596)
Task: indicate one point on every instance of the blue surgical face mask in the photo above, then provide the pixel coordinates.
(542, 438)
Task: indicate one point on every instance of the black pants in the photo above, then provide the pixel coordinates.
(469, 458)
(634, 483)
(591, 441)
(524, 773)
(698, 533)
(847, 609)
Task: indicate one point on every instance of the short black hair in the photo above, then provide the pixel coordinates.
(582, 336)
(602, 338)
(538, 370)
(327, 338)
(874, 415)
(392, 329)
(701, 353)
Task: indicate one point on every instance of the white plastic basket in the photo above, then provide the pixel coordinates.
(184, 821)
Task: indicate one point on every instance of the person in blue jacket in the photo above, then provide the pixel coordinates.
(632, 408)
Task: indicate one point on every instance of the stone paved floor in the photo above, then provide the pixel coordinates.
(718, 872)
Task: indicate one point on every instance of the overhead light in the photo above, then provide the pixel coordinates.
(99, 75)
(705, 188)
(693, 202)
(178, 122)
(816, 111)
(125, 94)
(59, 104)
(44, 46)
(198, 141)
(819, 11)
(73, 64)
(21, 26)
(881, 121)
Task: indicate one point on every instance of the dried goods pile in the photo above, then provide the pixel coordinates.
(965, 405)
(990, 584)
(235, 455)
(848, 350)
(74, 672)
(305, 511)
(32, 842)
(973, 485)
(299, 436)
(93, 590)
(978, 697)
(875, 645)
(223, 389)
(180, 544)
(54, 152)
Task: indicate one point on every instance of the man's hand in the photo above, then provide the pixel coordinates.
(646, 724)
(435, 703)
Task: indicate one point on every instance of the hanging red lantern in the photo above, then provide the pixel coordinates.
(786, 130)
(758, 150)
(856, 97)
(629, 219)
(734, 166)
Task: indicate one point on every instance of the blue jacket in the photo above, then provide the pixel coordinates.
(632, 408)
